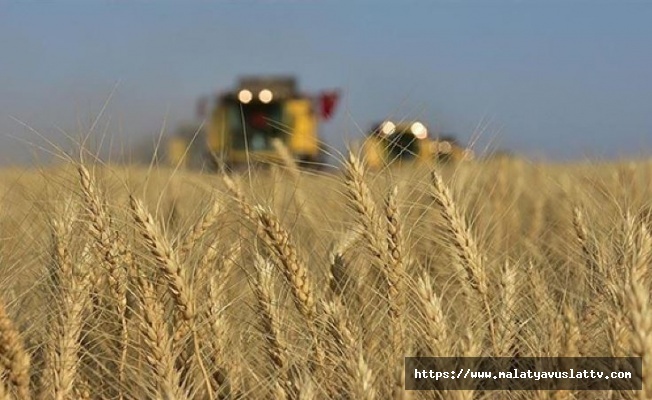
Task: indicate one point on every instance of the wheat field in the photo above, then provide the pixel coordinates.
(133, 283)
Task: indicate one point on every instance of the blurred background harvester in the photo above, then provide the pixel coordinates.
(241, 125)
(396, 143)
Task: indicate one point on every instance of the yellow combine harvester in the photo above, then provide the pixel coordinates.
(397, 143)
(241, 125)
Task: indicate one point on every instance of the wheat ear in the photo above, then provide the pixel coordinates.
(463, 240)
(465, 246)
(112, 250)
(437, 329)
(74, 301)
(339, 278)
(217, 322)
(294, 269)
(165, 257)
(640, 311)
(71, 284)
(13, 357)
(589, 249)
(435, 323)
(168, 262)
(506, 327)
(295, 272)
(108, 243)
(268, 313)
(159, 344)
(394, 271)
(198, 230)
(350, 351)
(237, 192)
(362, 203)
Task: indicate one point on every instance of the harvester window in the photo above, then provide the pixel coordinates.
(261, 125)
(402, 146)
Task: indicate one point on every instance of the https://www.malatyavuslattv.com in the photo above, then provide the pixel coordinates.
(499, 373)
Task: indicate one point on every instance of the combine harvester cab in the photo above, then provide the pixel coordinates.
(405, 143)
(242, 125)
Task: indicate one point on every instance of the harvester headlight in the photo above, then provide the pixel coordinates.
(265, 96)
(419, 130)
(388, 128)
(245, 96)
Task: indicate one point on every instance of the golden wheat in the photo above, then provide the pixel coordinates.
(111, 299)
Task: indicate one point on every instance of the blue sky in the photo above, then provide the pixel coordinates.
(555, 79)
